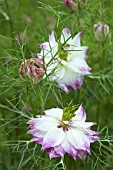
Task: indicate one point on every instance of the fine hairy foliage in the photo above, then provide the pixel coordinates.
(25, 25)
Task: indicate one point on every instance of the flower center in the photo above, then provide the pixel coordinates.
(68, 113)
(63, 125)
(62, 52)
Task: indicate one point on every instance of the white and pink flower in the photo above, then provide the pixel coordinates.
(32, 68)
(65, 60)
(63, 131)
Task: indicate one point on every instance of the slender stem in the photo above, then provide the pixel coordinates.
(41, 101)
(10, 22)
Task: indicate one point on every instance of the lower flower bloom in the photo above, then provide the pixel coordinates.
(63, 131)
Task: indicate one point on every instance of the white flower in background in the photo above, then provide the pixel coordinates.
(101, 31)
(65, 60)
(63, 131)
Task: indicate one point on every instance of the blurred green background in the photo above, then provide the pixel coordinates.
(24, 24)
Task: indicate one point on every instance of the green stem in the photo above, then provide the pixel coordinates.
(10, 22)
(41, 101)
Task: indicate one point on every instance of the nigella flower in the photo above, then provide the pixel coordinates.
(32, 68)
(65, 60)
(63, 131)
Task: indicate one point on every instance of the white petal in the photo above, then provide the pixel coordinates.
(52, 40)
(44, 124)
(70, 78)
(69, 148)
(45, 49)
(53, 137)
(48, 51)
(82, 124)
(76, 40)
(58, 74)
(79, 66)
(65, 35)
(78, 139)
(55, 112)
(80, 114)
(77, 52)
(51, 68)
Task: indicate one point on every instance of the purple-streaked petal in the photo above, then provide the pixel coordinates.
(80, 114)
(44, 123)
(78, 139)
(66, 35)
(52, 40)
(77, 84)
(93, 138)
(79, 66)
(65, 88)
(45, 50)
(59, 150)
(37, 140)
(51, 152)
(70, 80)
(69, 148)
(53, 137)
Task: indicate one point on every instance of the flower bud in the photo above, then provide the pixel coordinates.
(101, 31)
(33, 68)
(71, 4)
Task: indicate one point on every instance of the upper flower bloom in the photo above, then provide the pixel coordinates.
(101, 31)
(60, 131)
(33, 68)
(66, 60)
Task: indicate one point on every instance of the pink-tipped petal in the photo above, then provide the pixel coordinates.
(53, 138)
(80, 114)
(65, 36)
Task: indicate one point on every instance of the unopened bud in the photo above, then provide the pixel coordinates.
(32, 68)
(71, 4)
(101, 31)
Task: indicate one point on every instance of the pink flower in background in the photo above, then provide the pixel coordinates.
(65, 60)
(32, 68)
(71, 4)
(101, 31)
(63, 131)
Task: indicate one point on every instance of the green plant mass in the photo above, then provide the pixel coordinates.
(56, 81)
